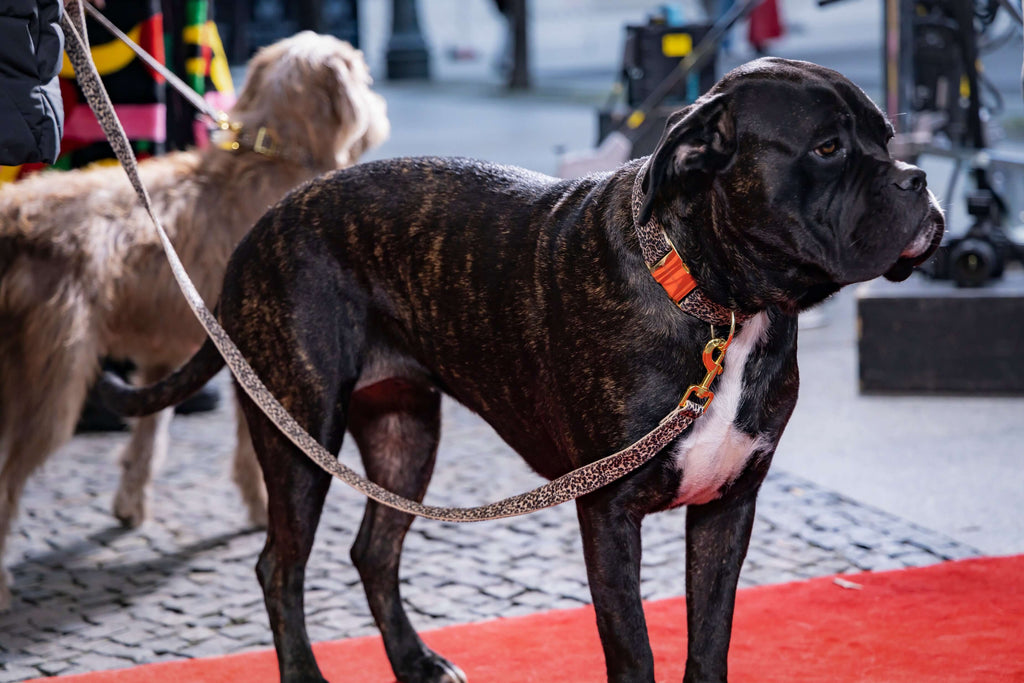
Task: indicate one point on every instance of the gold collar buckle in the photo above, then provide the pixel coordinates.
(264, 143)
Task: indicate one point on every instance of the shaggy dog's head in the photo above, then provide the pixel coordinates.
(312, 93)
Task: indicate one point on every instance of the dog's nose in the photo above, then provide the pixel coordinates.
(910, 178)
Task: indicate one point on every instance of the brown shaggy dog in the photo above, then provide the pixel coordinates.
(82, 274)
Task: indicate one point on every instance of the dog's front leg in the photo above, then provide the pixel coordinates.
(717, 535)
(611, 547)
(143, 453)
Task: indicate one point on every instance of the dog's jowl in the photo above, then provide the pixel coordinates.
(363, 295)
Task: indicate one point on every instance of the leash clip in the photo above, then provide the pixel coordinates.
(225, 133)
(713, 364)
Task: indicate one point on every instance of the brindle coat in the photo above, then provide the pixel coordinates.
(364, 295)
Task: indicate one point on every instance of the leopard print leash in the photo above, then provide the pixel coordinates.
(577, 483)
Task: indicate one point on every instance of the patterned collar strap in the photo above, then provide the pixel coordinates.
(668, 268)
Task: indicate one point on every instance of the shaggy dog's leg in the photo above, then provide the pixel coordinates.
(143, 454)
(11, 485)
(246, 472)
(397, 426)
(37, 415)
(9, 496)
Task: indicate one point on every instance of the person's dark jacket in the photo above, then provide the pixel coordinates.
(31, 110)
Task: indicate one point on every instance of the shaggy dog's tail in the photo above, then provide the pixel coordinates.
(131, 401)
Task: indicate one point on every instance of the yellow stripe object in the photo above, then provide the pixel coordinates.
(220, 72)
(8, 174)
(109, 57)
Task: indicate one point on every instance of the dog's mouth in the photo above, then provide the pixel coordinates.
(920, 249)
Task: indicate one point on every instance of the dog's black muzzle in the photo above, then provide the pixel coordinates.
(911, 182)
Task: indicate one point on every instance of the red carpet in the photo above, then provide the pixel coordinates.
(954, 622)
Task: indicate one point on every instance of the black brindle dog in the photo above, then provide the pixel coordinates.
(366, 293)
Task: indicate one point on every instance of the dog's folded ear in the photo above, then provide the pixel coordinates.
(699, 140)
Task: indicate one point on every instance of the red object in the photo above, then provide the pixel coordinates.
(151, 38)
(764, 24)
(958, 622)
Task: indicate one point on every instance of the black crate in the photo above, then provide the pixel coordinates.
(928, 336)
(652, 51)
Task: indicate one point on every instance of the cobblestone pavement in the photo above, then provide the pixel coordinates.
(89, 595)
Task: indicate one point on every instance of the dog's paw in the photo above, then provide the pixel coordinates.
(434, 669)
(5, 590)
(451, 674)
(130, 507)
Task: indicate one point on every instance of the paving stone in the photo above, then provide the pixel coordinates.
(100, 662)
(56, 667)
(242, 631)
(204, 648)
(17, 672)
(918, 559)
(538, 599)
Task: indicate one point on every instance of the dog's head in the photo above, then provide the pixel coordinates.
(786, 163)
(312, 92)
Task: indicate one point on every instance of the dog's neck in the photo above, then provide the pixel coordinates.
(670, 270)
(236, 137)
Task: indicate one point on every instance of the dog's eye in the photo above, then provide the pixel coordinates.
(828, 149)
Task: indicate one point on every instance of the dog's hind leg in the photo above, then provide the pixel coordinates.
(296, 489)
(143, 453)
(396, 424)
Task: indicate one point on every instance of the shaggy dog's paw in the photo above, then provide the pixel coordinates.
(5, 591)
(130, 507)
(258, 515)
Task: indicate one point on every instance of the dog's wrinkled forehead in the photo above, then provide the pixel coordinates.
(810, 95)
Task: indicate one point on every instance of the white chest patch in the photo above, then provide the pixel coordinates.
(715, 451)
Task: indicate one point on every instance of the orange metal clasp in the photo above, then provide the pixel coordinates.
(713, 364)
(673, 275)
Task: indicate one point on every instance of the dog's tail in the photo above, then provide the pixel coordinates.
(131, 401)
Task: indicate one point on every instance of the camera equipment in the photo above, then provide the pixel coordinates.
(921, 336)
(939, 84)
(979, 255)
